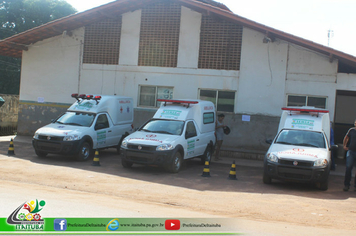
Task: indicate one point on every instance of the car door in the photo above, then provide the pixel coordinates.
(190, 137)
(104, 134)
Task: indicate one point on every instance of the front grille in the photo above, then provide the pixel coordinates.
(300, 163)
(295, 173)
(50, 138)
(143, 148)
(50, 147)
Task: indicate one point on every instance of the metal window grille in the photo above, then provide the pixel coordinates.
(220, 44)
(159, 35)
(102, 42)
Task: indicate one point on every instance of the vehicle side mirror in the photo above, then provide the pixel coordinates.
(189, 135)
(334, 147)
(269, 141)
(99, 126)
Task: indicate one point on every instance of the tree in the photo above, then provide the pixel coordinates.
(17, 16)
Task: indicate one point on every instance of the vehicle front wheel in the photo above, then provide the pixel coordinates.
(176, 163)
(85, 152)
(266, 179)
(126, 164)
(323, 185)
(41, 154)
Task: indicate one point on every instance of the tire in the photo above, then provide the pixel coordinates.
(323, 185)
(41, 154)
(207, 155)
(176, 163)
(266, 179)
(126, 164)
(85, 152)
(119, 144)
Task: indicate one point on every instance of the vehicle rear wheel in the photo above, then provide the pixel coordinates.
(126, 164)
(176, 163)
(85, 152)
(41, 154)
(206, 156)
(266, 179)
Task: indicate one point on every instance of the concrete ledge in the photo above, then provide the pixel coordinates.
(258, 155)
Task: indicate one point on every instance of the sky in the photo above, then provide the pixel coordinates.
(308, 19)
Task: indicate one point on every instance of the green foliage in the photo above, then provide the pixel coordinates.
(17, 16)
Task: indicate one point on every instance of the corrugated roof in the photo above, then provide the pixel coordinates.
(14, 45)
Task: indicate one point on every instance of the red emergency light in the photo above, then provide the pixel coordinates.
(82, 96)
(74, 95)
(303, 109)
(89, 97)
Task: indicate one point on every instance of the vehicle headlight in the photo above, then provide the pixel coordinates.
(164, 147)
(36, 135)
(124, 143)
(71, 137)
(321, 162)
(272, 157)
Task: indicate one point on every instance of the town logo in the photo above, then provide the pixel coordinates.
(26, 217)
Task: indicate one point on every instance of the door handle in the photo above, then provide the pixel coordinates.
(109, 131)
(197, 140)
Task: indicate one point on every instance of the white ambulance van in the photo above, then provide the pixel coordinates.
(179, 130)
(301, 150)
(92, 122)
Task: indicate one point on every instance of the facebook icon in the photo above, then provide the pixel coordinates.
(60, 224)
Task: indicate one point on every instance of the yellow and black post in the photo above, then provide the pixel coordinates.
(232, 174)
(11, 150)
(206, 171)
(96, 159)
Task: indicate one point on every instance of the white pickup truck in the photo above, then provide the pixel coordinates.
(92, 122)
(179, 130)
(301, 150)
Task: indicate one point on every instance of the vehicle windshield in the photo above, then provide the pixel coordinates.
(76, 118)
(173, 127)
(301, 138)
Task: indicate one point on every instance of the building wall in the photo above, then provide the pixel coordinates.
(52, 70)
(9, 110)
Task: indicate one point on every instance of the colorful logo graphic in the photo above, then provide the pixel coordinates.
(113, 225)
(60, 224)
(172, 224)
(26, 217)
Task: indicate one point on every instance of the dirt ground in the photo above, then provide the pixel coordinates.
(246, 198)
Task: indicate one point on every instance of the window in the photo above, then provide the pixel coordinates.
(190, 131)
(223, 100)
(220, 44)
(304, 100)
(159, 35)
(102, 122)
(208, 118)
(150, 94)
(102, 42)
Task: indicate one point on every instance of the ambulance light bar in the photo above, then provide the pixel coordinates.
(305, 109)
(177, 101)
(84, 96)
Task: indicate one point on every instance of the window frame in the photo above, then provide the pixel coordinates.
(157, 104)
(217, 97)
(307, 98)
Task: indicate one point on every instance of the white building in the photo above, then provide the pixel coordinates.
(149, 49)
